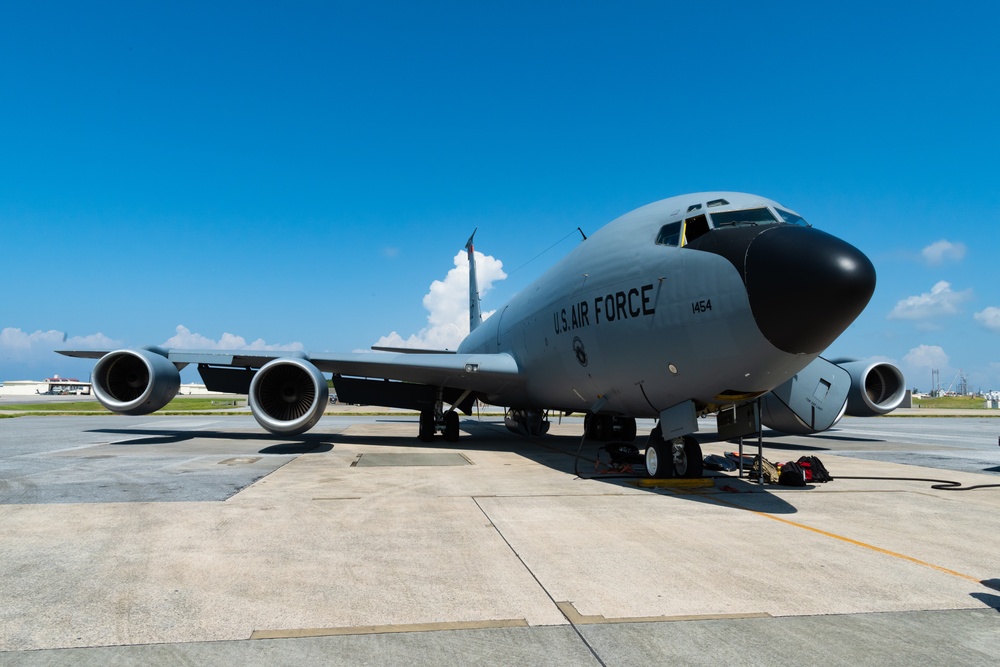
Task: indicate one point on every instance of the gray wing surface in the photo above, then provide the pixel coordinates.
(487, 373)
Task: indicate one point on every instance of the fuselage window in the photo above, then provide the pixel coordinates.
(747, 218)
(669, 234)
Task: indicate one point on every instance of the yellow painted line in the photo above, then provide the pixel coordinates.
(865, 545)
(576, 618)
(387, 629)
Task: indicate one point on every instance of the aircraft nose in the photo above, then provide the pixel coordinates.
(804, 286)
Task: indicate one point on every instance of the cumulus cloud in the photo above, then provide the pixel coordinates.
(927, 356)
(940, 301)
(943, 251)
(989, 318)
(448, 305)
(26, 347)
(185, 338)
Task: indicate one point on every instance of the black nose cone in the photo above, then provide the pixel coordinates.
(805, 286)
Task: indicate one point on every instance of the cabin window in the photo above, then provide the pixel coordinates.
(669, 234)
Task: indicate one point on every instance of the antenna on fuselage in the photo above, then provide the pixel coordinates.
(475, 314)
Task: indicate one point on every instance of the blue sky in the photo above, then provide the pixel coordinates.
(298, 174)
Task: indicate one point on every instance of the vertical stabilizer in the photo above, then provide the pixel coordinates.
(475, 314)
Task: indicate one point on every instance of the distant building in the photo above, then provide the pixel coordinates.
(53, 386)
(57, 386)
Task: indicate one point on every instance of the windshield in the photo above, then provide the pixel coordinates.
(791, 218)
(748, 218)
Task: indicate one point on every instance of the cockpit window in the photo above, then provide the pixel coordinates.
(791, 218)
(669, 234)
(748, 218)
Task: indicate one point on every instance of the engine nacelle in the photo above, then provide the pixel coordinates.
(288, 396)
(824, 391)
(813, 400)
(135, 382)
(877, 388)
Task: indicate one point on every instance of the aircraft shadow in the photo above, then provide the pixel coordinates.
(310, 443)
(729, 490)
(987, 599)
(557, 452)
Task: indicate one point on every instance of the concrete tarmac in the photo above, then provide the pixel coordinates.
(204, 540)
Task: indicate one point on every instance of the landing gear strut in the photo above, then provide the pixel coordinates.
(432, 421)
(677, 457)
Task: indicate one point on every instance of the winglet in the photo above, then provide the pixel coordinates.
(475, 314)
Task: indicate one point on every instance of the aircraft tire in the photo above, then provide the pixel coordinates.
(687, 458)
(451, 426)
(659, 459)
(598, 427)
(426, 433)
(626, 428)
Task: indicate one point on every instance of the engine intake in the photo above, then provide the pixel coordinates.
(135, 382)
(288, 396)
(877, 388)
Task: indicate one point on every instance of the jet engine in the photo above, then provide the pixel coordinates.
(135, 382)
(288, 396)
(876, 388)
(816, 397)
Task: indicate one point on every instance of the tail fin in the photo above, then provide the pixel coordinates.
(475, 314)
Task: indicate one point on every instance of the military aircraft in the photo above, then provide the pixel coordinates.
(688, 306)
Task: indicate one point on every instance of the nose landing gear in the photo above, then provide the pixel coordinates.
(677, 457)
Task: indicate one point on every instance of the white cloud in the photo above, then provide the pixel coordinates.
(184, 338)
(940, 301)
(448, 305)
(989, 318)
(27, 347)
(927, 356)
(941, 251)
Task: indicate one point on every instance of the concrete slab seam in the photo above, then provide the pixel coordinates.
(510, 546)
(576, 618)
(298, 633)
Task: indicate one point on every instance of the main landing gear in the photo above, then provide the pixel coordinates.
(607, 428)
(430, 424)
(527, 422)
(432, 421)
(677, 457)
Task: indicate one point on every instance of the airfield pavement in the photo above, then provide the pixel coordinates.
(204, 540)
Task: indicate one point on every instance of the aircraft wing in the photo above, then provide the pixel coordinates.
(476, 372)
